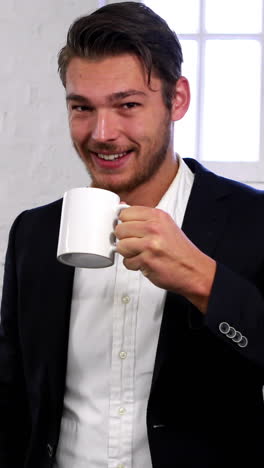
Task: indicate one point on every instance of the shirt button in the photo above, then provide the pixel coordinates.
(125, 299)
(122, 355)
(122, 411)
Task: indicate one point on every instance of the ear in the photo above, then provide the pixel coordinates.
(181, 99)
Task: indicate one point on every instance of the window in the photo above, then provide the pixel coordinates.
(223, 48)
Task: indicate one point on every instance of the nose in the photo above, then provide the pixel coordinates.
(105, 126)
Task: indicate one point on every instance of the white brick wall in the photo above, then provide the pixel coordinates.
(37, 162)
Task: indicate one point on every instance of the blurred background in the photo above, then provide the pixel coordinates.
(223, 47)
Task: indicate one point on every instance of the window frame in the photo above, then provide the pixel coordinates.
(250, 172)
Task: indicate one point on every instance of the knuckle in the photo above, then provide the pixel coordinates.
(154, 245)
(154, 227)
(162, 214)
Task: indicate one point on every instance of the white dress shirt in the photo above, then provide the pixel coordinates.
(115, 321)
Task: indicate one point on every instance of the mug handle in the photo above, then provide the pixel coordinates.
(119, 207)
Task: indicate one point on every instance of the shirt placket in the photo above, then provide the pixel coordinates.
(123, 367)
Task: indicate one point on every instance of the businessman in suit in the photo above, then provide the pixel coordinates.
(156, 361)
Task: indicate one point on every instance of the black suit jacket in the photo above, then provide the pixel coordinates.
(206, 403)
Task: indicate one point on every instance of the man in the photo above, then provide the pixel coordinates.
(157, 360)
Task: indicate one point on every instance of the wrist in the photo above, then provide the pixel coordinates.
(202, 285)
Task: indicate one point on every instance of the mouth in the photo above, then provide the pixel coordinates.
(111, 157)
(106, 160)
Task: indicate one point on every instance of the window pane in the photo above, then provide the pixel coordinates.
(181, 15)
(231, 116)
(185, 131)
(233, 16)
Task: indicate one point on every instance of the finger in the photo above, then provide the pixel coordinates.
(130, 229)
(135, 264)
(137, 213)
(132, 263)
(129, 247)
(145, 272)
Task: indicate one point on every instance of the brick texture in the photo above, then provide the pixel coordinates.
(37, 162)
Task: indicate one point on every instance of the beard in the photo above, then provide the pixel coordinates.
(151, 161)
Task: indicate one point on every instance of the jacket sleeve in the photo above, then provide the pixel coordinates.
(14, 416)
(236, 313)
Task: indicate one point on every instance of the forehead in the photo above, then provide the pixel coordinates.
(108, 75)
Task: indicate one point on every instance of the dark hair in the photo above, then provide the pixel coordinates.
(127, 27)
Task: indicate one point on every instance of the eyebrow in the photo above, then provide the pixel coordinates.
(113, 97)
(125, 94)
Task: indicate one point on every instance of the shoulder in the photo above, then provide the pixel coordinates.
(222, 186)
(50, 211)
(36, 222)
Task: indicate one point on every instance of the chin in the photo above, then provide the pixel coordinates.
(114, 184)
(112, 187)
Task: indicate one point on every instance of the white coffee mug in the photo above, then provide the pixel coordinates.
(88, 219)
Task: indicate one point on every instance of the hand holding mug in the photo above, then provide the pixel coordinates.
(151, 241)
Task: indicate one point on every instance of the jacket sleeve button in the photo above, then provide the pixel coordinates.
(243, 343)
(224, 328)
(238, 337)
(231, 333)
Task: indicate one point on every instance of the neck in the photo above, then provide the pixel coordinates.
(151, 192)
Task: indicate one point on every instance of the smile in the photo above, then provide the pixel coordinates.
(111, 157)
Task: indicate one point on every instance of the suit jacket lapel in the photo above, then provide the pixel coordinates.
(57, 305)
(207, 209)
(204, 222)
(59, 333)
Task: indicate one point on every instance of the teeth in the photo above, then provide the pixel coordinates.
(110, 157)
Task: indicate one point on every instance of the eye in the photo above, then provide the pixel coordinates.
(130, 105)
(81, 108)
